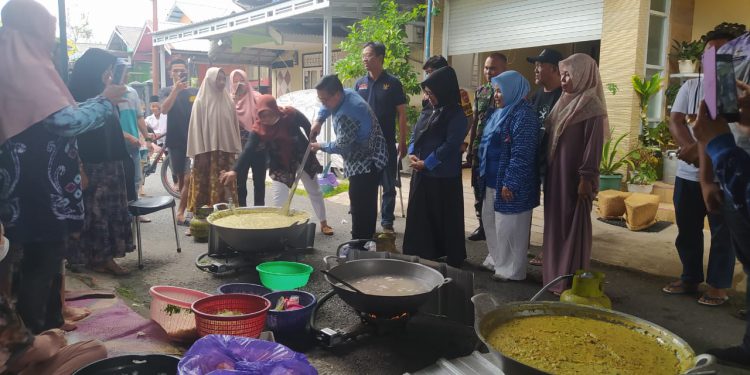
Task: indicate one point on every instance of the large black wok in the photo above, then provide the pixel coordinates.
(255, 240)
(385, 306)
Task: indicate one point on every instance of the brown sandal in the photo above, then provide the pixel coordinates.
(536, 261)
(111, 267)
(326, 230)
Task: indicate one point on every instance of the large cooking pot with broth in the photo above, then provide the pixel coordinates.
(390, 287)
(516, 334)
(257, 229)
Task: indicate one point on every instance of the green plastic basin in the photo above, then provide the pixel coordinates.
(284, 275)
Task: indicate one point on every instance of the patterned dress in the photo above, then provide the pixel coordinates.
(205, 188)
(107, 227)
(42, 189)
(107, 231)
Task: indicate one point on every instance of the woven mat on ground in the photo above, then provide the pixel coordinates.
(657, 227)
(122, 330)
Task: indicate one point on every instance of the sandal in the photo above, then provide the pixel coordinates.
(536, 261)
(111, 267)
(74, 314)
(327, 230)
(707, 300)
(144, 219)
(680, 287)
(184, 223)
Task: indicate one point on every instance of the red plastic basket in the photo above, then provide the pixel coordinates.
(250, 323)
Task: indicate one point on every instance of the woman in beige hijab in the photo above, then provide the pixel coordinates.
(213, 142)
(576, 127)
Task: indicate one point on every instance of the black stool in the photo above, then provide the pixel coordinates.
(145, 206)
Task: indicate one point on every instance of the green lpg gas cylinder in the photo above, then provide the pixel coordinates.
(588, 289)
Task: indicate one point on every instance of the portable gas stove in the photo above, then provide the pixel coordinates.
(369, 325)
(222, 259)
(449, 308)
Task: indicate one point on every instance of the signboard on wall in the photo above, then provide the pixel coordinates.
(315, 60)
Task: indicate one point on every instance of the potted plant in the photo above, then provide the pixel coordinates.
(643, 175)
(687, 54)
(645, 89)
(609, 178)
(659, 141)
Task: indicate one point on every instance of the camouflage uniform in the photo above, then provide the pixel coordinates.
(483, 101)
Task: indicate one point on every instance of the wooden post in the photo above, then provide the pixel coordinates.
(155, 51)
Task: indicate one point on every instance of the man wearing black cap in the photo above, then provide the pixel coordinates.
(546, 75)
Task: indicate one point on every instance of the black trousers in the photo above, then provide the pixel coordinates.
(258, 164)
(478, 193)
(39, 296)
(363, 198)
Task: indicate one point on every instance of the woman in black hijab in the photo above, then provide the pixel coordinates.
(107, 232)
(435, 218)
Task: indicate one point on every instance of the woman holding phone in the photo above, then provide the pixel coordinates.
(41, 201)
(107, 232)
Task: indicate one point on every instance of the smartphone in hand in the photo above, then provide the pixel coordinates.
(720, 86)
(119, 72)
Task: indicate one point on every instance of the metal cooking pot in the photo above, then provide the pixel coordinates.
(132, 364)
(386, 306)
(254, 240)
(490, 314)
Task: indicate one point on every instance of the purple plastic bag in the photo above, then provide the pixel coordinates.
(235, 355)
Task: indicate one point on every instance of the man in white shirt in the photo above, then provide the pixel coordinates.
(157, 121)
(690, 210)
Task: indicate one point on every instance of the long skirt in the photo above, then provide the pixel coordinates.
(107, 232)
(435, 219)
(205, 188)
(507, 239)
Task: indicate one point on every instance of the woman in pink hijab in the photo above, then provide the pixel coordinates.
(245, 99)
(576, 128)
(40, 184)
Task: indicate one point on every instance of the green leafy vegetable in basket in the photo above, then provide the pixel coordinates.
(172, 309)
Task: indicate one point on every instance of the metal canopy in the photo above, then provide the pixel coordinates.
(291, 12)
(225, 54)
(239, 21)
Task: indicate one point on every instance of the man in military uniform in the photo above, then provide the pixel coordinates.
(495, 64)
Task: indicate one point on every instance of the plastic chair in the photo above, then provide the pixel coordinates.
(148, 205)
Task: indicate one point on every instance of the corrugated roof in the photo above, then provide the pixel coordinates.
(129, 35)
(198, 11)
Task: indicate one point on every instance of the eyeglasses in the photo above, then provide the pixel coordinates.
(325, 99)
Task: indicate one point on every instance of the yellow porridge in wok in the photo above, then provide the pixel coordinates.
(261, 220)
(572, 345)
